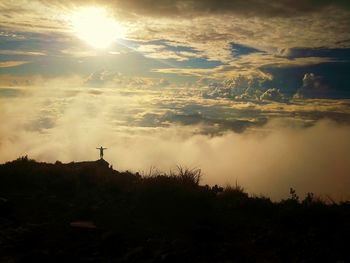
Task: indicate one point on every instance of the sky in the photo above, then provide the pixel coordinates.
(253, 91)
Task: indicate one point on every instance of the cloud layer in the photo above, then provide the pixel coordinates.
(267, 147)
(185, 38)
(195, 7)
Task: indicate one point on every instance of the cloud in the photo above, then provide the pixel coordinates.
(235, 88)
(243, 88)
(119, 80)
(313, 87)
(269, 160)
(250, 7)
(251, 23)
(241, 50)
(273, 94)
(21, 52)
(161, 52)
(79, 53)
(11, 92)
(11, 64)
(267, 146)
(280, 8)
(252, 65)
(218, 39)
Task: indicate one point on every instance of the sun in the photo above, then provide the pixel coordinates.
(95, 26)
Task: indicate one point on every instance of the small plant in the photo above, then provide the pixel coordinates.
(310, 199)
(217, 189)
(236, 190)
(293, 195)
(153, 172)
(189, 176)
(23, 158)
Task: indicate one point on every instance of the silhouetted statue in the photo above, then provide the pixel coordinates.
(101, 151)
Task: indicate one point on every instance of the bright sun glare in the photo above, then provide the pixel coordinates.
(95, 26)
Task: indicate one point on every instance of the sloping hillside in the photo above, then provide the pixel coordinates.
(87, 212)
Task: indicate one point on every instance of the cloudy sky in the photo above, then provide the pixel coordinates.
(248, 90)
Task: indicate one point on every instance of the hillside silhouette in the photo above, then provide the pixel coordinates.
(89, 212)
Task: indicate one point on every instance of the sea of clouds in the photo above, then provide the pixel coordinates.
(50, 123)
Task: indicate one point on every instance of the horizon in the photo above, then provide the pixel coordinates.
(249, 91)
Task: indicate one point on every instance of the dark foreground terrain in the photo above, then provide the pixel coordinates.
(88, 212)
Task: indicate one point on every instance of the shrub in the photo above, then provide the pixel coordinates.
(189, 176)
